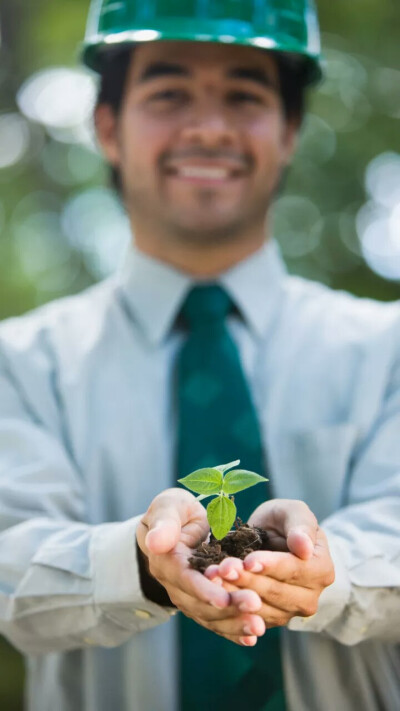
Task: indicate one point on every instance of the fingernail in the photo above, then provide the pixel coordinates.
(255, 567)
(244, 607)
(211, 570)
(232, 575)
(247, 630)
(304, 534)
(247, 642)
(218, 581)
(217, 605)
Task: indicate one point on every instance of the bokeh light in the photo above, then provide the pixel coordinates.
(95, 224)
(296, 222)
(37, 233)
(14, 139)
(59, 98)
(318, 141)
(382, 179)
(69, 165)
(336, 220)
(385, 83)
(378, 221)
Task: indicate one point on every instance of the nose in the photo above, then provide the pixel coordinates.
(209, 125)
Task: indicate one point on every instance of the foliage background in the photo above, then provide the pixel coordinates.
(337, 222)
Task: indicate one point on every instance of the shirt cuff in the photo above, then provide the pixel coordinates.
(117, 589)
(333, 599)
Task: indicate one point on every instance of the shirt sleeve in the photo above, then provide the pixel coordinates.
(364, 540)
(64, 583)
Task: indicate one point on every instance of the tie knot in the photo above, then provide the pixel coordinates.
(205, 305)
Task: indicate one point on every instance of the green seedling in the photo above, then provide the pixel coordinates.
(219, 482)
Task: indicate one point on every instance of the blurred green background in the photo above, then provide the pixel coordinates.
(61, 228)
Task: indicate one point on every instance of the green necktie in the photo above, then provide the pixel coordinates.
(217, 423)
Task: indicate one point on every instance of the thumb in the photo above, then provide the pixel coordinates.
(300, 527)
(163, 534)
(300, 543)
(291, 521)
(168, 514)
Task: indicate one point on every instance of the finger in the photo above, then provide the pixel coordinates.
(274, 616)
(248, 641)
(205, 614)
(246, 600)
(251, 597)
(284, 567)
(212, 572)
(230, 568)
(172, 570)
(241, 640)
(291, 518)
(213, 575)
(198, 587)
(168, 514)
(317, 572)
(280, 566)
(245, 625)
(197, 609)
(218, 581)
(279, 597)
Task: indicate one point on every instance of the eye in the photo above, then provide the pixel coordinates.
(169, 95)
(244, 96)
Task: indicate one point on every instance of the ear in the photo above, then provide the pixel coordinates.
(106, 124)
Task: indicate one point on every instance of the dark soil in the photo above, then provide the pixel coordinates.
(238, 543)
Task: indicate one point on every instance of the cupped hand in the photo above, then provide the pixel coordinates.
(174, 524)
(289, 579)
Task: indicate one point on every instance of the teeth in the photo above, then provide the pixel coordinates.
(203, 172)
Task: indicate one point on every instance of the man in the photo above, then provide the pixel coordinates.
(101, 410)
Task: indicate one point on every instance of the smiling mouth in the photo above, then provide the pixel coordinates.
(205, 174)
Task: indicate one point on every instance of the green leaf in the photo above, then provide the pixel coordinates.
(221, 514)
(240, 479)
(203, 481)
(224, 467)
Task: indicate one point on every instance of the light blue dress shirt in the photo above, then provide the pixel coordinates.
(87, 436)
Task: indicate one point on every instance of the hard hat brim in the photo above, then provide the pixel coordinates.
(97, 47)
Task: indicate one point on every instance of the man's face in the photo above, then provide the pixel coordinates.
(201, 140)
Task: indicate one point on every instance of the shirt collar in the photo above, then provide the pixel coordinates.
(154, 291)
(253, 285)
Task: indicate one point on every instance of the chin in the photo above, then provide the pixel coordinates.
(209, 233)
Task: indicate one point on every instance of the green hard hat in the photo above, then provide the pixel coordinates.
(287, 26)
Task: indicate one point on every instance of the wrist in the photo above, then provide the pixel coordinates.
(151, 588)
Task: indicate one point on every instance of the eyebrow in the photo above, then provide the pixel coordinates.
(255, 74)
(163, 69)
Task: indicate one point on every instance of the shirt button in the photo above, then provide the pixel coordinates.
(143, 614)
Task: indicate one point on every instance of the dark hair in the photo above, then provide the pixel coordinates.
(114, 74)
